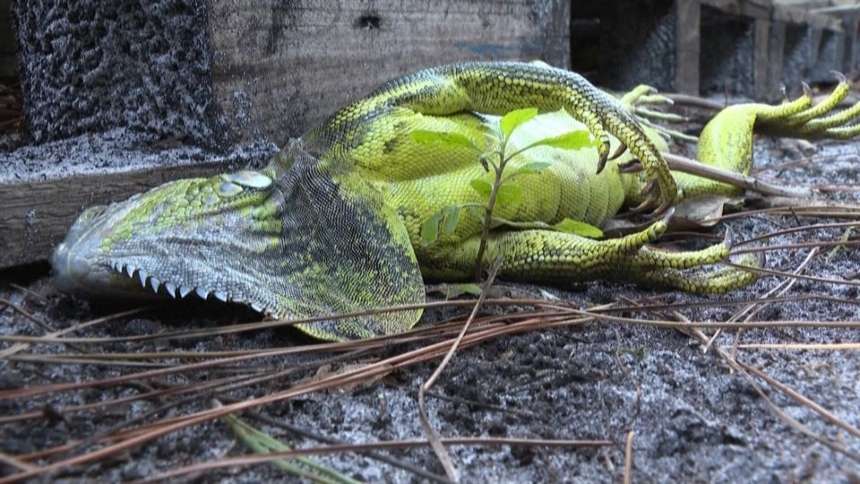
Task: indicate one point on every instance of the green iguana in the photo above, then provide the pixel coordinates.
(333, 224)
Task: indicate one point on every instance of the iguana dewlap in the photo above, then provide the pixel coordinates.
(333, 224)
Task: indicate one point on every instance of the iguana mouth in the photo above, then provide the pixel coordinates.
(154, 285)
(73, 272)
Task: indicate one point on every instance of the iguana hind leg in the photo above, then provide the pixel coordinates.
(547, 256)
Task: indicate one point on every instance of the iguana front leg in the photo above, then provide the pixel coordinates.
(498, 88)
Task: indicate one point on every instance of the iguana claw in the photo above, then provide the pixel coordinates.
(729, 238)
(622, 148)
(603, 156)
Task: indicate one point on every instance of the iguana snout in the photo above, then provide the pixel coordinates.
(80, 263)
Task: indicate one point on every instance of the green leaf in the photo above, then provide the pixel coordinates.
(509, 194)
(513, 119)
(263, 443)
(430, 228)
(483, 187)
(442, 138)
(571, 226)
(472, 289)
(452, 218)
(533, 167)
(574, 140)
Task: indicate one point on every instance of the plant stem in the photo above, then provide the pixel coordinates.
(488, 213)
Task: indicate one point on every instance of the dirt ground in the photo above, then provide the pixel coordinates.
(692, 418)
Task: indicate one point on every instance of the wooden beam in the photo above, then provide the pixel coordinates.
(747, 8)
(776, 46)
(852, 40)
(36, 215)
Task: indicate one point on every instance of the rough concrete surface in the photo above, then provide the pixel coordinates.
(727, 59)
(693, 419)
(92, 66)
(119, 150)
(641, 45)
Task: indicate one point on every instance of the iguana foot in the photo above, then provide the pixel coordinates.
(701, 281)
(641, 97)
(726, 142)
(638, 102)
(694, 271)
(802, 119)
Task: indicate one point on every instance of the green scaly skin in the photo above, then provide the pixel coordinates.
(333, 224)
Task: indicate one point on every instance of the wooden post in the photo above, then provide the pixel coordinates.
(777, 58)
(761, 58)
(285, 66)
(688, 45)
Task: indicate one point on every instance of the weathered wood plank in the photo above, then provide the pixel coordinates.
(280, 67)
(36, 215)
(747, 8)
(851, 22)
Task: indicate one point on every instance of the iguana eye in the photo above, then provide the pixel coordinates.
(228, 189)
(233, 182)
(248, 178)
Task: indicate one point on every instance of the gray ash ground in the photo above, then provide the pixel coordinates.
(694, 420)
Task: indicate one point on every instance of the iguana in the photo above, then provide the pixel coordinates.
(333, 224)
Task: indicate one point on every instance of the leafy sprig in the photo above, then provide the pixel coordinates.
(501, 191)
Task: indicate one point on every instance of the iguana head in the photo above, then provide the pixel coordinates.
(154, 242)
(297, 240)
